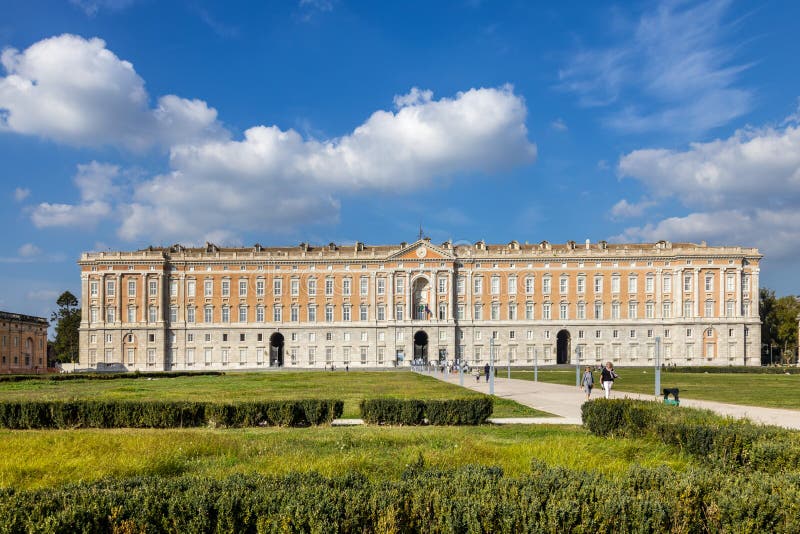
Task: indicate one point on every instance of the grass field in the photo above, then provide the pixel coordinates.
(350, 387)
(771, 391)
(35, 459)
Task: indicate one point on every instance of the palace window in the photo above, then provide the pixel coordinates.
(294, 313)
(512, 285)
(260, 314)
(328, 313)
(529, 285)
(615, 283)
(346, 289)
(495, 287)
(208, 313)
(529, 311)
(277, 314)
(546, 311)
(277, 287)
(132, 288)
(208, 288)
(110, 288)
(363, 286)
(667, 283)
(226, 314)
(294, 287)
(381, 288)
(153, 285)
(312, 314)
(546, 285)
(442, 285)
(581, 284)
(563, 284)
(226, 288)
(633, 282)
(477, 285)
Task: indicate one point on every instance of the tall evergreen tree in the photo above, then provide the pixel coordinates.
(67, 321)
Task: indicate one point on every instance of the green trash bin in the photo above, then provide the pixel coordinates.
(672, 402)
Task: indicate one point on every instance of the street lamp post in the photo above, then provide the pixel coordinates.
(577, 368)
(509, 363)
(535, 364)
(491, 366)
(658, 366)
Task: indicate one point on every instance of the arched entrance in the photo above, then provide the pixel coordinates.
(276, 350)
(562, 346)
(420, 291)
(421, 347)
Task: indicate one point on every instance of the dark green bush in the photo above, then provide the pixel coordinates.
(392, 411)
(736, 369)
(389, 411)
(725, 442)
(474, 411)
(107, 376)
(157, 414)
(470, 499)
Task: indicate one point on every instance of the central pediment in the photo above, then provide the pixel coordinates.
(422, 250)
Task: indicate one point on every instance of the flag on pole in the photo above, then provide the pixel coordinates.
(428, 311)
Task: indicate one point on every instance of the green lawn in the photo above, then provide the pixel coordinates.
(350, 387)
(771, 391)
(35, 459)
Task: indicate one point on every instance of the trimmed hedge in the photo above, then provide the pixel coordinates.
(391, 411)
(725, 442)
(107, 376)
(470, 499)
(736, 369)
(158, 414)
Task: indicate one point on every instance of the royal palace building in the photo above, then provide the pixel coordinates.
(363, 306)
(23, 343)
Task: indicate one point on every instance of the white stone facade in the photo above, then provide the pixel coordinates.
(222, 309)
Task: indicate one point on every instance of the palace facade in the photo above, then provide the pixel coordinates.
(23, 343)
(180, 308)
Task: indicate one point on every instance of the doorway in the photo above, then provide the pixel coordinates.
(421, 347)
(562, 347)
(276, 350)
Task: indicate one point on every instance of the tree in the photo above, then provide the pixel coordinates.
(778, 326)
(67, 321)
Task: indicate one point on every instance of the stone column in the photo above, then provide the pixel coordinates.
(738, 309)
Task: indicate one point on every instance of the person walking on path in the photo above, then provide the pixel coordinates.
(588, 381)
(486, 371)
(607, 376)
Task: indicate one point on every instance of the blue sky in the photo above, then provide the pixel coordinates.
(128, 123)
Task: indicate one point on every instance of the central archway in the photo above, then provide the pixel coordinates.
(421, 347)
(276, 350)
(420, 292)
(562, 346)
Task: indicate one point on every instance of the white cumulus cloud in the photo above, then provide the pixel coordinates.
(624, 209)
(29, 250)
(741, 190)
(76, 91)
(95, 182)
(21, 193)
(279, 179)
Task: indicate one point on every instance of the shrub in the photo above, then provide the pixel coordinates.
(107, 376)
(389, 411)
(157, 414)
(725, 442)
(392, 411)
(473, 411)
(470, 499)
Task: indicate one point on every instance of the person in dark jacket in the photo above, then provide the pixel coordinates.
(486, 371)
(607, 377)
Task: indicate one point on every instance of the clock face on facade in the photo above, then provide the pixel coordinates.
(422, 252)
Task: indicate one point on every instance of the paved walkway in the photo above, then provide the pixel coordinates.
(565, 401)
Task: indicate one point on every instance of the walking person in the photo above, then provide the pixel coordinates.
(486, 371)
(607, 377)
(588, 381)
